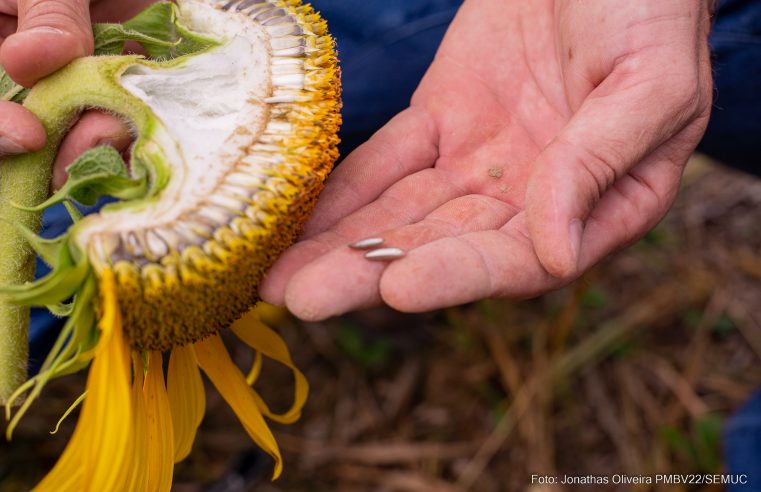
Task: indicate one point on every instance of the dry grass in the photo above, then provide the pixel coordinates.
(631, 370)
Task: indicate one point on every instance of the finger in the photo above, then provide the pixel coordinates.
(620, 123)
(407, 202)
(109, 11)
(638, 201)
(93, 129)
(344, 280)
(407, 144)
(50, 35)
(503, 263)
(9, 7)
(466, 268)
(20, 130)
(7, 26)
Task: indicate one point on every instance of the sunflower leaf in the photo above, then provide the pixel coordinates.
(155, 29)
(10, 90)
(98, 172)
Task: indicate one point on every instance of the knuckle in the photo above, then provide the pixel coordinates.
(55, 13)
(598, 163)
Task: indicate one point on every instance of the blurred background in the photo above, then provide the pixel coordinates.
(634, 369)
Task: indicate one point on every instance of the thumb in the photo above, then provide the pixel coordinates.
(51, 33)
(611, 132)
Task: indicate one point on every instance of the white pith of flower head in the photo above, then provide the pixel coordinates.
(212, 108)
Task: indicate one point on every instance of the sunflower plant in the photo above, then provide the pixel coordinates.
(235, 113)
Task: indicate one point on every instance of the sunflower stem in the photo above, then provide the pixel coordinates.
(25, 181)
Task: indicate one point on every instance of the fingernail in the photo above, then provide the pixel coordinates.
(372, 242)
(576, 230)
(385, 254)
(9, 147)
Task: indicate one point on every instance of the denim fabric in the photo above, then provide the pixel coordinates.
(385, 47)
(734, 132)
(742, 443)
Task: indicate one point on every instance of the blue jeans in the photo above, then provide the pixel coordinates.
(386, 46)
(734, 132)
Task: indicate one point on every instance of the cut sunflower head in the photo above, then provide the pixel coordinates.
(235, 116)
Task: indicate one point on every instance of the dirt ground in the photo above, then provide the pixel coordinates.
(632, 370)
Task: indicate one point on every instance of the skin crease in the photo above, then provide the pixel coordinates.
(545, 135)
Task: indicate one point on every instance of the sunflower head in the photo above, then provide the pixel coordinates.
(235, 117)
(233, 143)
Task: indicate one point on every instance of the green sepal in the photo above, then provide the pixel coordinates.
(47, 249)
(59, 285)
(10, 90)
(61, 310)
(76, 338)
(156, 29)
(79, 334)
(75, 214)
(98, 172)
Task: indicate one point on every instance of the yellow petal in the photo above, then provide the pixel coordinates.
(266, 341)
(186, 399)
(256, 369)
(272, 315)
(138, 481)
(160, 439)
(99, 455)
(213, 358)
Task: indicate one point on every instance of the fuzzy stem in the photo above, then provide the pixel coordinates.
(25, 180)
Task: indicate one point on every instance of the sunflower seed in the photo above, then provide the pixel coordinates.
(372, 242)
(385, 254)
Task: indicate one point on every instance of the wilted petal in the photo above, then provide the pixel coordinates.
(224, 374)
(267, 342)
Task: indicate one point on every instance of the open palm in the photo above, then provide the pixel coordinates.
(544, 136)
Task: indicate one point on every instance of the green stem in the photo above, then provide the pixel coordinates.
(25, 180)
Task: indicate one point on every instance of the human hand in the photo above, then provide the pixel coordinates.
(37, 37)
(545, 136)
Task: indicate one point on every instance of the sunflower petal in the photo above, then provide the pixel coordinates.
(160, 439)
(138, 479)
(266, 341)
(107, 410)
(256, 369)
(67, 474)
(187, 399)
(99, 452)
(229, 380)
